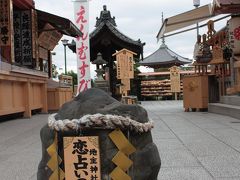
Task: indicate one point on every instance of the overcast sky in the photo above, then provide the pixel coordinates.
(135, 18)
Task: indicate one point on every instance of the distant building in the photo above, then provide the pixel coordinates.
(164, 58)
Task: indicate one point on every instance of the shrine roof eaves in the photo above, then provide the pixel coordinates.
(63, 25)
(164, 56)
(116, 32)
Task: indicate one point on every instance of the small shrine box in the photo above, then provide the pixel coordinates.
(195, 92)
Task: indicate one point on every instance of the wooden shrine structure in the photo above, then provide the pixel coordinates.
(219, 52)
(163, 84)
(216, 53)
(107, 39)
(164, 58)
(27, 38)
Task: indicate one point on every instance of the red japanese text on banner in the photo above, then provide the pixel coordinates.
(81, 12)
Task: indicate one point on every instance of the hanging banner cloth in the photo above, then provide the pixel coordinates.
(81, 13)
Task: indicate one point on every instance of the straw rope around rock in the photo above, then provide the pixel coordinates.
(107, 121)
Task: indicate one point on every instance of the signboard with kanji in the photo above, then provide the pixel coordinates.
(5, 23)
(175, 79)
(49, 38)
(234, 34)
(82, 158)
(17, 37)
(26, 22)
(125, 69)
(23, 37)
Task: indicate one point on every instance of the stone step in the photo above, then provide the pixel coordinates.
(231, 100)
(225, 109)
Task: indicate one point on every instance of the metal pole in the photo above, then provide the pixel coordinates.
(65, 59)
(197, 25)
(197, 29)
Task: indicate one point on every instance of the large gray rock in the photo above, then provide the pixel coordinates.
(146, 159)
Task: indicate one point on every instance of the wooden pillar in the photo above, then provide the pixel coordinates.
(176, 97)
(238, 76)
(223, 80)
(49, 64)
(44, 98)
(232, 71)
(27, 112)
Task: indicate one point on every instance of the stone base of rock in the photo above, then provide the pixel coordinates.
(146, 160)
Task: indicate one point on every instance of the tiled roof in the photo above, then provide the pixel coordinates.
(164, 55)
(116, 32)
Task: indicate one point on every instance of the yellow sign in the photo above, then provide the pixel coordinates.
(121, 159)
(175, 79)
(82, 158)
(54, 161)
(122, 142)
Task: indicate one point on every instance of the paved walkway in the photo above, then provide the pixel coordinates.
(195, 145)
(192, 146)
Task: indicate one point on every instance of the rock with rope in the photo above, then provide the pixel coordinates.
(99, 120)
(95, 113)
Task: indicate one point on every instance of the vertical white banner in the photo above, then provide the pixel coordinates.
(81, 13)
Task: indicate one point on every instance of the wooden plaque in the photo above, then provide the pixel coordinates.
(5, 23)
(217, 55)
(175, 79)
(49, 38)
(125, 84)
(82, 158)
(125, 64)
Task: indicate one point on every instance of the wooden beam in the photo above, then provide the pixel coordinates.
(24, 4)
(27, 112)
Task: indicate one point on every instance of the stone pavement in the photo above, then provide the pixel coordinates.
(192, 145)
(195, 145)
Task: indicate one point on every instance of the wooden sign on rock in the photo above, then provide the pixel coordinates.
(82, 158)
